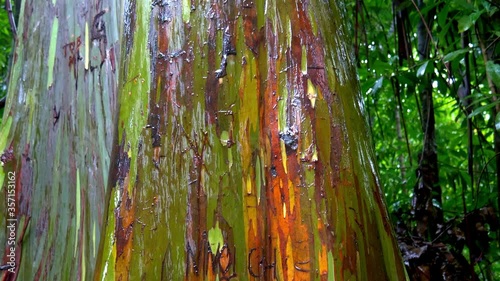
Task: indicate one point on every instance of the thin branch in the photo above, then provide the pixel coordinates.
(424, 21)
(8, 7)
(395, 86)
(429, 33)
(484, 171)
(363, 23)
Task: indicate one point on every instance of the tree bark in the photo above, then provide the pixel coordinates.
(56, 137)
(238, 151)
(241, 150)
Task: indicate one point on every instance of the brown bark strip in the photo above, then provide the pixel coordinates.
(124, 213)
(212, 84)
(125, 217)
(253, 34)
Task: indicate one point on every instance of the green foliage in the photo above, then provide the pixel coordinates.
(391, 83)
(6, 40)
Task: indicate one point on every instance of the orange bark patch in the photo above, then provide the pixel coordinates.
(125, 214)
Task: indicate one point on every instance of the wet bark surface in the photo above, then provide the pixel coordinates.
(57, 131)
(247, 158)
(233, 131)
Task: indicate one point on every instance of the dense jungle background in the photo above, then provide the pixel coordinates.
(430, 74)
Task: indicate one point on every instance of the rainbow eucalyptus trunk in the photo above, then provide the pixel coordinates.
(55, 138)
(241, 150)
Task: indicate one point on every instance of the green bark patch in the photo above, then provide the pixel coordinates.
(52, 51)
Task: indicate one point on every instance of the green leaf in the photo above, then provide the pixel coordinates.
(378, 85)
(380, 66)
(491, 11)
(215, 238)
(422, 69)
(443, 16)
(479, 98)
(465, 22)
(455, 54)
(497, 122)
(442, 85)
(463, 5)
(367, 85)
(483, 108)
(407, 78)
(493, 70)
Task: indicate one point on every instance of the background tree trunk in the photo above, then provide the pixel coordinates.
(241, 149)
(57, 134)
(427, 202)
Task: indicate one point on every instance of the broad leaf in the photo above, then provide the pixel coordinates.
(493, 70)
(483, 108)
(455, 54)
(378, 85)
(497, 122)
(423, 69)
(465, 22)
